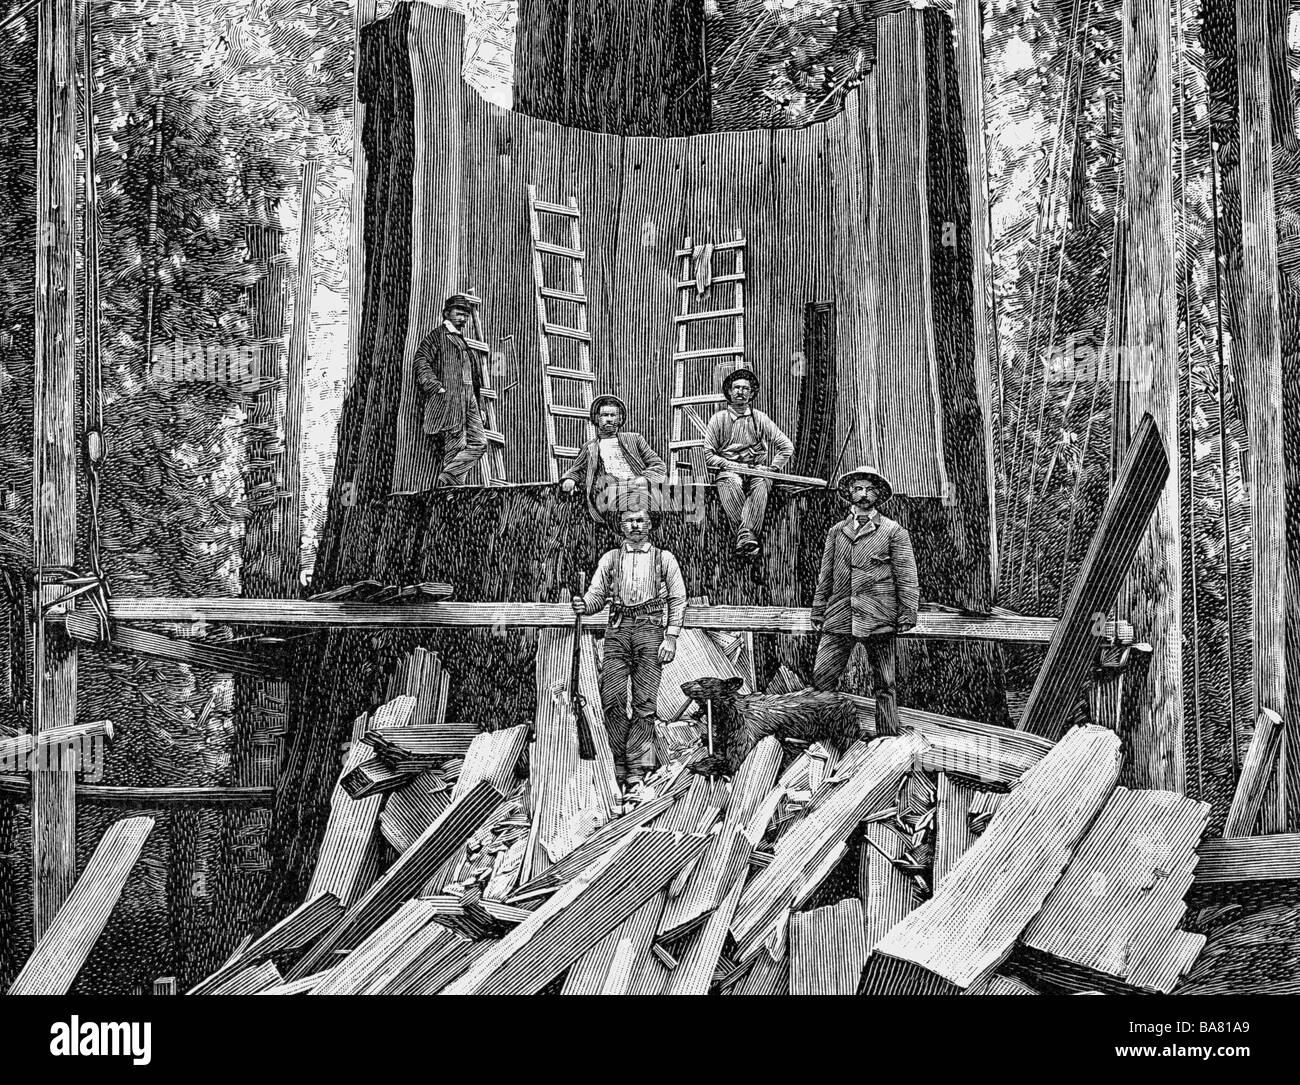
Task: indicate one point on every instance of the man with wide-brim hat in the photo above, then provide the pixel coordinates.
(867, 591)
(616, 470)
(742, 436)
(449, 381)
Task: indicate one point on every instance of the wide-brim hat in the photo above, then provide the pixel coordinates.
(738, 374)
(460, 301)
(605, 401)
(871, 475)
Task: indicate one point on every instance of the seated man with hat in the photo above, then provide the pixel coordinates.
(614, 465)
(449, 380)
(741, 435)
(867, 592)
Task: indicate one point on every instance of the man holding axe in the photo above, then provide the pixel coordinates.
(647, 600)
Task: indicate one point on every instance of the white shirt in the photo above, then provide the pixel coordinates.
(636, 574)
(867, 525)
(613, 460)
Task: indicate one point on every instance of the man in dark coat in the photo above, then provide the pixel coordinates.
(614, 465)
(448, 375)
(867, 592)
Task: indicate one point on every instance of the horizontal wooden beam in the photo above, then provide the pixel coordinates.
(83, 626)
(1249, 859)
(11, 784)
(1017, 629)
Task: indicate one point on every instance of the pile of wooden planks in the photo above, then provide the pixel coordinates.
(881, 869)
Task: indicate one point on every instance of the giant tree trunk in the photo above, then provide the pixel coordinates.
(633, 69)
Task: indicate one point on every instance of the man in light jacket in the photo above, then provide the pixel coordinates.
(741, 436)
(614, 465)
(867, 592)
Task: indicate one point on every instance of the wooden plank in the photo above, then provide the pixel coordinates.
(763, 908)
(295, 930)
(998, 984)
(828, 947)
(697, 657)
(348, 861)
(694, 975)
(887, 893)
(952, 824)
(1257, 367)
(984, 751)
(54, 443)
(1249, 858)
(972, 922)
(418, 741)
(406, 876)
(492, 756)
(195, 653)
(1014, 629)
(580, 915)
(1070, 655)
(1257, 773)
(709, 881)
(410, 810)
(566, 802)
(1120, 901)
(62, 950)
(366, 963)
(250, 981)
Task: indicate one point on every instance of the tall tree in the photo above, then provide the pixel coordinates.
(633, 69)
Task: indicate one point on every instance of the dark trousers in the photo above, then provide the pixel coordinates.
(744, 500)
(833, 651)
(632, 655)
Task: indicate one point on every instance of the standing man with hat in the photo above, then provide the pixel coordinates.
(739, 435)
(614, 466)
(646, 594)
(867, 592)
(449, 380)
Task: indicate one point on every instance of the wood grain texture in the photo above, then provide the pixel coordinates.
(580, 915)
(1148, 384)
(1059, 688)
(828, 947)
(1258, 771)
(761, 915)
(1117, 908)
(975, 916)
(67, 941)
(1249, 858)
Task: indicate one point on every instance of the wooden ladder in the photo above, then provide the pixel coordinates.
(569, 386)
(493, 464)
(681, 455)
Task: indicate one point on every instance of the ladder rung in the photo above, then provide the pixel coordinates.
(684, 401)
(566, 452)
(555, 208)
(568, 333)
(477, 344)
(716, 279)
(564, 295)
(570, 374)
(487, 393)
(711, 352)
(559, 250)
(709, 314)
(723, 247)
(496, 437)
(569, 412)
(675, 445)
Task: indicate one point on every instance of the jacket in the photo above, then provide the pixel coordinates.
(449, 379)
(867, 584)
(752, 439)
(636, 450)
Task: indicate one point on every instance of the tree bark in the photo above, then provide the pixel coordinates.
(632, 69)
